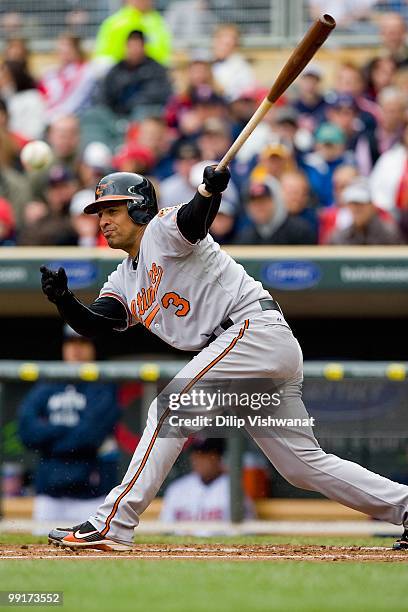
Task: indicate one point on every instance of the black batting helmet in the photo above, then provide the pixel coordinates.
(134, 190)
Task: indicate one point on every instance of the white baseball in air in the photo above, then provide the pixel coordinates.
(36, 155)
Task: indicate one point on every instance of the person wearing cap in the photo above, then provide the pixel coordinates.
(342, 111)
(309, 101)
(270, 219)
(274, 160)
(95, 162)
(367, 227)
(330, 152)
(178, 186)
(204, 493)
(137, 82)
(133, 157)
(70, 427)
(134, 15)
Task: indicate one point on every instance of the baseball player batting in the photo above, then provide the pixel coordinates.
(179, 284)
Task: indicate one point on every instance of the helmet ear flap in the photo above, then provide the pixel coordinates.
(139, 212)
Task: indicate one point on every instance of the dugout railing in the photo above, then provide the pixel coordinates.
(353, 400)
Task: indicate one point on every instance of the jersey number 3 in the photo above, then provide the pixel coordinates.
(181, 304)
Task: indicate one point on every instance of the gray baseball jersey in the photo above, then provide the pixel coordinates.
(179, 290)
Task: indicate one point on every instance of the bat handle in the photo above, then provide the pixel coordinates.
(256, 118)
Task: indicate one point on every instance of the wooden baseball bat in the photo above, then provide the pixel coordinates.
(301, 56)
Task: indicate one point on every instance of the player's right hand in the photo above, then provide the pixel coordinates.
(54, 284)
(216, 181)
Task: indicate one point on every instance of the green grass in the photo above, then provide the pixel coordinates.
(213, 586)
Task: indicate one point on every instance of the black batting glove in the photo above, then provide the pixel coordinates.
(216, 181)
(54, 284)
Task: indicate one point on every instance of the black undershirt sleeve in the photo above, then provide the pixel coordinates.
(195, 218)
(104, 315)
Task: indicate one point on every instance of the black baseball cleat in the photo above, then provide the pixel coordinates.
(402, 543)
(84, 536)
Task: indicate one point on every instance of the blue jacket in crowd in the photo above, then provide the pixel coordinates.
(66, 424)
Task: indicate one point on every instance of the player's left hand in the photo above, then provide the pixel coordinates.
(54, 284)
(216, 181)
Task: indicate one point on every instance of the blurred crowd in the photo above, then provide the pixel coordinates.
(326, 166)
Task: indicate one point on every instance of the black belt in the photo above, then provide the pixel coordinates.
(267, 304)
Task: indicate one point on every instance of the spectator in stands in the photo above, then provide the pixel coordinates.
(204, 494)
(7, 224)
(178, 188)
(54, 226)
(380, 73)
(132, 157)
(296, 196)
(215, 139)
(393, 33)
(285, 126)
(346, 12)
(134, 15)
(14, 186)
(337, 216)
(64, 140)
(152, 133)
(367, 227)
(274, 160)
(223, 228)
(23, 99)
(137, 82)
(388, 180)
(309, 101)
(373, 143)
(16, 50)
(68, 87)
(231, 70)
(349, 79)
(341, 110)
(70, 427)
(95, 162)
(330, 152)
(271, 222)
(63, 136)
(199, 85)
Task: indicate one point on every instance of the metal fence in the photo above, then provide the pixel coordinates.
(264, 23)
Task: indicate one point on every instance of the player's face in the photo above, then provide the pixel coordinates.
(118, 228)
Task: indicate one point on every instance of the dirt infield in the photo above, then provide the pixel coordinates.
(213, 552)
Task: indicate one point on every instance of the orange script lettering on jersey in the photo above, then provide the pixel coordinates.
(146, 297)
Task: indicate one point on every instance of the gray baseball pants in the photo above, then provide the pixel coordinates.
(261, 347)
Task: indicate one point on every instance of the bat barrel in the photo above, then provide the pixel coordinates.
(302, 54)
